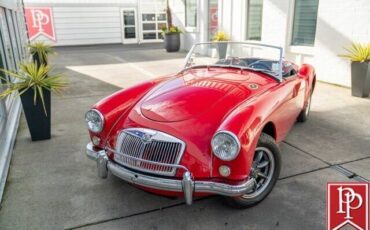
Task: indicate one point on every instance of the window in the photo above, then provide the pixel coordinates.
(212, 18)
(304, 23)
(254, 18)
(152, 24)
(191, 13)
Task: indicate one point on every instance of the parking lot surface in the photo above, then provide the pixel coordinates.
(53, 185)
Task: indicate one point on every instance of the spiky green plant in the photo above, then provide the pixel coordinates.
(42, 50)
(32, 77)
(358, 52)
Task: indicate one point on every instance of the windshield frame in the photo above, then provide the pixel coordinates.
(278, 77)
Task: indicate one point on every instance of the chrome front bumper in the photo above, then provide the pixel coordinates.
(186, 185)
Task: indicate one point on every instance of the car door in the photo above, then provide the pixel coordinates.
(291, 91)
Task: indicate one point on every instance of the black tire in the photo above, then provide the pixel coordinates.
(248, 200)
(303, 115)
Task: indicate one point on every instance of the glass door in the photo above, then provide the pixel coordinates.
(129, 24)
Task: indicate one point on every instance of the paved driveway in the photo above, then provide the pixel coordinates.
(52, 185)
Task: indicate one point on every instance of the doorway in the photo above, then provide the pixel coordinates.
(129, 24)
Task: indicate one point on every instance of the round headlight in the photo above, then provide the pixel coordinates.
(225, 145)
(95, 120)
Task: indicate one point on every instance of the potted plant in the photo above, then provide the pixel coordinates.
(33, 85)
(171, 37)
(40, 51)
(171, 33)
(221, 37)
(359, 54)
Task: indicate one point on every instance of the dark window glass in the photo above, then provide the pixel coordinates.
(148, 17)
(13, 36)
(129, 18)
(148, 26)
(254, 18)
(304, 24)
(7, 50)
(161, 17)
(191, 13)
(130, 32)
(150, 36)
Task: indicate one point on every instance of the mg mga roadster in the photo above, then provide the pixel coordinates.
(211, 129)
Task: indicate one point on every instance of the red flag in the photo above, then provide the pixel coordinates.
(40, 22)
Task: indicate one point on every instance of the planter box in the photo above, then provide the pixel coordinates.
(360, 79)
(172, 42)
(36, 59)
(38, 122)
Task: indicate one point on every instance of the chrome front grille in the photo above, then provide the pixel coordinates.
(149, 151)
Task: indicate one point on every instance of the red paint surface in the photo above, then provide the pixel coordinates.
(197, 103)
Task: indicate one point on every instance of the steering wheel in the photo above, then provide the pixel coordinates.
(237, 61)
(259, 65)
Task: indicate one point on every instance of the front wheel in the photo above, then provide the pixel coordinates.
(265, 171)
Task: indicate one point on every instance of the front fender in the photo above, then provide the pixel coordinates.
(247, 122)
(114, 107)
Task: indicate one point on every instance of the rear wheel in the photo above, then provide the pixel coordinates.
(265, 172)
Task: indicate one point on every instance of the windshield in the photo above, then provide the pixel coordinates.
(244, 55)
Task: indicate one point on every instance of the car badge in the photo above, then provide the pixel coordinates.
(146, 138)
(253, 86)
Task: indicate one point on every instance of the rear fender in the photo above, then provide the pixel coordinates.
(307, 72)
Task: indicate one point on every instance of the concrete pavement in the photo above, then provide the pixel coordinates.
(52, 185)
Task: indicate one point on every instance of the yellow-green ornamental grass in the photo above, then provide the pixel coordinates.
(221, 36)
(171, 30)
(31, 77)
(358, 52)
(42, 49)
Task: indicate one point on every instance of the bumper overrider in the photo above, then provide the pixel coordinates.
(187, 185)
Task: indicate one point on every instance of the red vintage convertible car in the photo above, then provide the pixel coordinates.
(212, 128)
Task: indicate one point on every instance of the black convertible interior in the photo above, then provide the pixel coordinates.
(260, 64)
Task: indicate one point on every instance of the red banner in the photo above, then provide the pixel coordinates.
(40, 22)
(348, 206)
(213, 19)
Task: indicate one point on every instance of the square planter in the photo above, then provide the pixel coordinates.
(360, 79)
(38, 122)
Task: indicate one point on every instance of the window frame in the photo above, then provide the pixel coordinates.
(247, 17)
(301, 48)
(192, 28)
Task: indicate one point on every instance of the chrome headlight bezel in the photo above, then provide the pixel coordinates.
(98, 114)
(234, 139)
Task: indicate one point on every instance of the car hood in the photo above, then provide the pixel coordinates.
(191, 106)
(199, 91)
